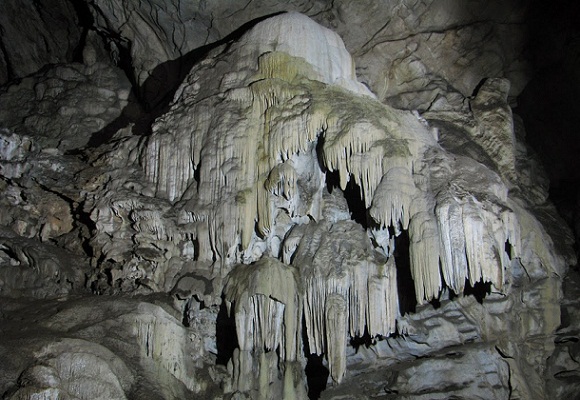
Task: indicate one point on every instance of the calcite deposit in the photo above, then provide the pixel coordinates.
(261, 210)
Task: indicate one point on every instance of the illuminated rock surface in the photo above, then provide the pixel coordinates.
(260, 224)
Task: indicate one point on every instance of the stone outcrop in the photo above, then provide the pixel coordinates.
(106, 348)
(66, 107)
(197, 210)
(35, 34)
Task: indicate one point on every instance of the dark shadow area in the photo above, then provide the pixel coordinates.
(316, 376)
(320, 153)
(131, 114)
(352, 194)
(158, 90)
(548, 105)
(226, 336)
(365, 340)
(193, 304)
(84, 219)
(565, 194)
(566, 339)
(86, 21)
(436, 303)
(508, 249)
(316, 373)
(452, 294)
(405, 282)
(153, 98)
(479, 290)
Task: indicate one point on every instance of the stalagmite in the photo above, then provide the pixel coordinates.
(335, 324)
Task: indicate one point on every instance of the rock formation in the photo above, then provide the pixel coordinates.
(195, 210)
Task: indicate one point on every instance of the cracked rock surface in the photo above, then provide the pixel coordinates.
(264, 199)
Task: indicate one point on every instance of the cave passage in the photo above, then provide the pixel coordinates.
(352, 194)
(316, 372)
(405, 282)
(226, 335)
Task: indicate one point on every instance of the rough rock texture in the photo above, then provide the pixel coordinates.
(430, 51)
(34, 34)
(105, 348)
(66, 107)
(203, 200)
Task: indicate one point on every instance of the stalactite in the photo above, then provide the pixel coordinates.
(245, 166)
(347, 290)
(392, 202)
(265, 300)
(425, 255)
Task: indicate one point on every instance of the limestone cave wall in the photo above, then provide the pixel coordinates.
(298, 200)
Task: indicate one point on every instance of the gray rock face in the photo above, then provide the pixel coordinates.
(470, 372)
(271, 227)
(431, 52)
(106, 348)
(35, 34)
(66, 106)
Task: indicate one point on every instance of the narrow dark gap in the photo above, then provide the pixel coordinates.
(83, 219)
(196, 174)
(352, 194)
(125, 60)
(508, 249)
(108, 272)
(320, 153)
(185, 313)
(316, 373)
(365, 340)
(332, 181)
(196, 249)
(565, 319)
(10, 253)
(405, 282)
(479, 290)
(566, 339)
(226, 335)
(86, 22)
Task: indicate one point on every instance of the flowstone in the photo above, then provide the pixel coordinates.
(276, 220)
(249, 161)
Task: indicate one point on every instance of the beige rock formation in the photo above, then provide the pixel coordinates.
(264, 225)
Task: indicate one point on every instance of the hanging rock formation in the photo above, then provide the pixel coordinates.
(272, 215)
